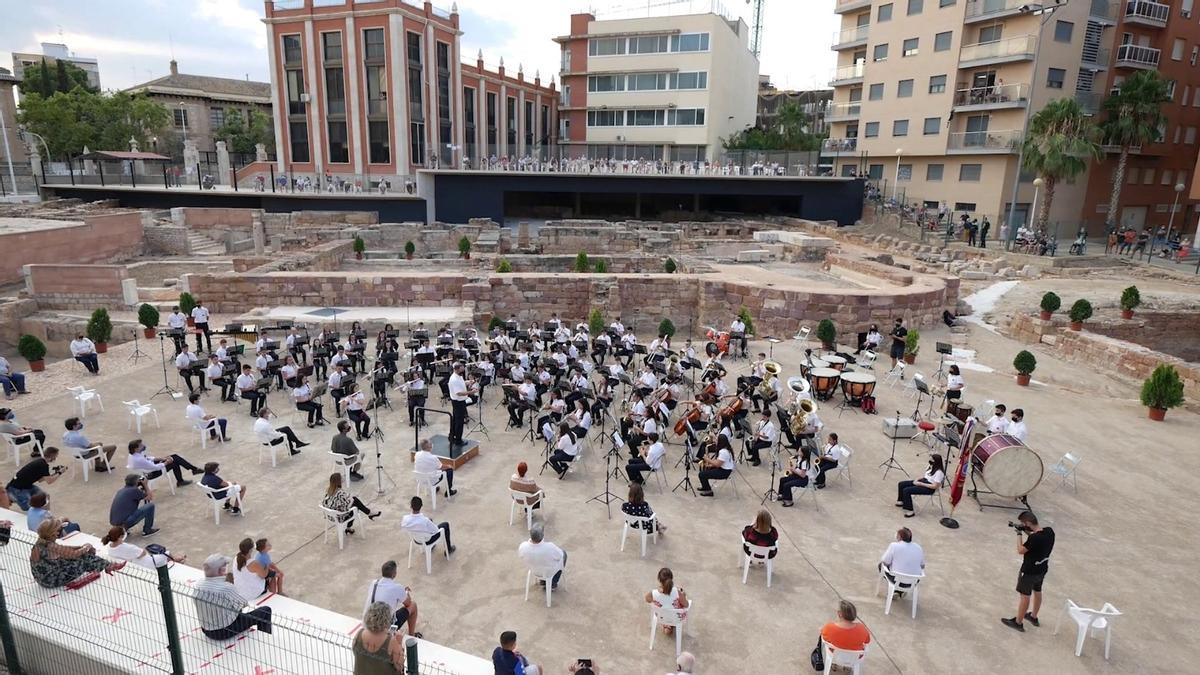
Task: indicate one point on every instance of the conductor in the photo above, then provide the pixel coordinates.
(459, 400)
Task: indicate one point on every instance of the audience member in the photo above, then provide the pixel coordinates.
(55, 565)
(219, 605)
(275, 436)
(338, 499)
(196, 414)
(232, 493)
(12, 381)
(85, 449)
(153, 467)
(508, 660)
(667, 594)
(761, 533)
(903, 556)
(520, 482)
(133, 504)
(638, 507)
(116, 548)
(543, 556)
(417, 523)
(342, 444)
(378, 651)
(397, 597)
(23, 485)
(424, 461)
(39, 511)
(84, 351)
(20, 434)
(685, 663)
(846, 632)
(262, 555)
(251, 577)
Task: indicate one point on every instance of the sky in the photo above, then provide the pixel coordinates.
(135, 40)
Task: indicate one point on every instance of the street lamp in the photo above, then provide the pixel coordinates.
(1037, 187)
(183, 119)
(896, 183)
(1179, 188)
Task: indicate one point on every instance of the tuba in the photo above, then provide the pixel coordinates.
(799, 421)
(771, 370)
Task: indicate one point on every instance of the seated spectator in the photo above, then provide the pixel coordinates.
(761, 533)
(13, 382)
(219, 606)
(39, 511)
(424, 461)
(23, 485)
(377, 651)
(582, 667)
(196, 414)
(232, 493)
(342, 444)
(116, 548)
(522, 483)
(397, 598)
(685, 663)
(417, 523)
(508, 660)
(269, 434)
(667, 594)
(153, 467)
(83, 448)
(251, 578)
(19, 433)
(846, 632)
(55, 565)
(262, 555)
(541, 555)
(903, 556)
(84, 351)
(637, 506)
(338, 499)
(128, 508)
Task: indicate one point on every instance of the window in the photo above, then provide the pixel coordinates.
(335, 91)
(295, 90)
(970, 173)
(599, 83)
(933, 126)
(545, 128)
(654, 44)
(373, 44)
(849, 171)
(697, 80)
(915, 6)
(492, 112)
(941, 41)
(1132, 174)
(1063, 31)
(945, 3)
(904, 173)
(875, 92)
(884, 13)
(1055, 77)
(1171, 90)
(529, 130)
(647, 81)
(875, 171)
(900, 128)
(1177, 49)
(469, 146)
(880, 53)
(376, 90)
(416, 102)
(1196, 97)
(339, 151)
(216, 117)
(872, 130)
(605, 118)
(910, 46)
(904, 88)
(1148, 176)
(181, 120)
(937, 84)
(291, 49)
(445, 129)
(331, 47)
(1167, 175)
(645, 118)
(689, 42)
(1189, 135)
(606, 46)
(933, 172)
(990, 33)
(970, 207)
(686, 117)
(416, 142)
(298, 135)
(856, 94)
(510, 123)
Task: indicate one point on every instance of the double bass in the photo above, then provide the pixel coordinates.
(690, 417)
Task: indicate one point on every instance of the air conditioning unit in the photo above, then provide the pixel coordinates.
(304, 98)
(1186, 13)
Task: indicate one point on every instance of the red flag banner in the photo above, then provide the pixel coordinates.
(964, 464)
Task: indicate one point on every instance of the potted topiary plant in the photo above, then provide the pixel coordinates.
(99, 329)
(1130, 298)
(670, 266)
(665, 327)
(32, 350)
(827, 334)
(601, 267)
(912, 345)
(464, 248)
(1080, 311)
(596, 321)
(409, 249)
(1162, 390)
(503, 267)
(186, 304)
(148, 317)
(1025, 363)
(581, 262)
(1050, 304)
(360, 247)
(744, 315)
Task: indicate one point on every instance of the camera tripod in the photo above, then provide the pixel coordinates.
(137, 350)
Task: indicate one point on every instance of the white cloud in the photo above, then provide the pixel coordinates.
(236, 16)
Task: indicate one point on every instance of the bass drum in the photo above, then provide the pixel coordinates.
(1008, 468)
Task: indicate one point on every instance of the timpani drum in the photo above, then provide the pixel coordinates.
(824, 382)
(806, 368)
(856, 385)
(1008, 468)
(836, 362)
(961, 410)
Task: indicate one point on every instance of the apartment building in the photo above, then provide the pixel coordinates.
(667, 87)
(52, 53)
(933, 96)
(378, 87)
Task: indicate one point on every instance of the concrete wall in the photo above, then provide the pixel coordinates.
(99, 239)
(209, 218)
(84, 287)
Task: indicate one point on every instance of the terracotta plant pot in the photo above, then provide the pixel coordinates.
(910, 359)
(828, 346)
(1076, 325)
(149, 333)
(1044, 315)
(1127, 314)
(37, 366)
(358, 256)
(408, 256)
(1157, 414)
(101, 347)
(191, 323)
(1023, 379)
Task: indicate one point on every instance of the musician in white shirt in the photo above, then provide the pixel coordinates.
(935, 474)
(289, 372)
(296, 350)
(635, 415)
(196, 413)
(872, 341)
(354, 404)
(580, 418)
(342, 359)
(262, 344)
(715, 468)
(183, 363)
(526, 397)
(336, 381)
(738, 327)
(565, 450)
(617, 327)
(303, 395)
(1016, 426)
(200, 319)
(177, 322)
(600, 347)
(84, 351)
(247, 386)
(216, 375)
(831, 457)
(651, 461)
(459, 400)
(799, 471)
(903, 556)
(765, 434)
(997, 424)
(954, 385)
(562, 334)
(647, 380)
(222, 351)
(425, 462)
(417, 523)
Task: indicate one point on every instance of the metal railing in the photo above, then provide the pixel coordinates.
(985, 140)
(850, 35)
(1023, 46)
(850, 72)
(981, 8)
(1151, 12)
(1095, 54)
(1015, 94)
(1090, 101)
(843, 111)
(1138, 56)
(840, 145)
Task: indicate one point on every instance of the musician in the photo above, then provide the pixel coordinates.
(559, 357)
(639, 435)
(554, 409)
(604, 398)
(600, 347)
(264, 345)
(384, 340)
(935, 473)
(200, 320)
(628, 341)
(184, 362)
(997, 424)
(579, 384)
(650, 461)
(247, 386)
(812, 427)
(357, 351)
(617, 327)
(831, 458)
(800, 470)
(416, 391)
(580, 419)
(177, 323)
(636, 414)
(713, 369)
(544, 378)
(646, 382)
(562, 334)
(757, 372)
(427, 366)
(525, 400)
(765, 435)
(517, 373)
(688, 350)
(303, 395)
(572, 352)
(554, 323)
(354, 403)
(342, 359)
(381, 376)
(265, 368)
(872, 341)
(295, 345)
(216, 375)
(715, 468)
(954, 385)
(580, 334)
(738, 328)
(899, 332)
(459, 400)
(566, 450)
(223, 351)
(756, 394)
(196, 413)
(288, 372)
(722, 389)
(336, 383)
(1016, 425)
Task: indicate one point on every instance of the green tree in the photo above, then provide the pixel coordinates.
(1058, 146)
(43, 85)
(70, 121)
(787, 131)
(1133, 117)
(241, 135)
(65, 77)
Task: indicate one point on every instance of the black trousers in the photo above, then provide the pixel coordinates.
(260, 617)
(825, 465)
(202, 334)
(315, 411)
(89, 361)
(356, 503)
(37, 435)
(445, 531)
(320, 367)
(458, 418)
(178, 464)
(906, 490)
(635, 467)
(292, 439)
(788, 482)
(227, 386)
(415, 402)
(711, 474)
(755, 447)
(559, 461)
(256, 398)
(362, 422)
(187, 379)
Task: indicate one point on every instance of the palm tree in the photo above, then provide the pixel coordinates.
(1133, 118)
(1060, 141)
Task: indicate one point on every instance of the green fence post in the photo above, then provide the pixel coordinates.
(170, 622)
(411, 666)
(6, 637)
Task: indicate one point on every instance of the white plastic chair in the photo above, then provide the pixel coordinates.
(428, 482)
(1094, 622)
(647, 527)
(15, 447)
(218, 502)
(84, 397)
(151, 481)
(86, 456)
(427, 547)
(669, 616)
(844, 658)
(138, 410)
(519, 501)
(843, 467)
(936, 496)
(1065, 469)
(544, 574)
(343, 464)
(339, 521)
(895, 375)
(204, 427)
(757, 554)
(908, 583)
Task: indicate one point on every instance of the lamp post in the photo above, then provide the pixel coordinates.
(896, 182)
(1037, 188)
(183, 119)
(1179, 188)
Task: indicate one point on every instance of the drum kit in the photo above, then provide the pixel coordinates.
(718, 341)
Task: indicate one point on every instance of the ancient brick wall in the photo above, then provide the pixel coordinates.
(98, 239)
(167, 240)
(76, 286)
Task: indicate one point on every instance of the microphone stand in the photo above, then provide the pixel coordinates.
(686, 481)
(166, 388)
(380, 472)
(137, 350)
(607, 497)
(891, 462)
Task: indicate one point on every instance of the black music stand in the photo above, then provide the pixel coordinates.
(607, 497)
(166, 388)
(137, 351)
(943, 348)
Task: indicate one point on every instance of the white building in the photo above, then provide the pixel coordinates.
(52, 52)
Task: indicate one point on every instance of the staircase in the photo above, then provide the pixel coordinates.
(203, 245)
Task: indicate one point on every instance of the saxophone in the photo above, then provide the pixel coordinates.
(799, 421)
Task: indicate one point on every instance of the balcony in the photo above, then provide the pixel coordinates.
(1146, 13)
(1103, 12)
(1141, 58)
(984, 142)
(844, 6)
(840, 146)
(995, 97)
(1096, 57)
(1010, 50)
(850, 38)
(1090, 101)
(843, 112)
(984, 10)
(851, 74)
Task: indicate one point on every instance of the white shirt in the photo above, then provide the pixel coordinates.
(618, 327)
(262, 361)
(766, 431)
(516, 373)
(184, 360)
(737, 326)
(874, 338)
(387, 591)
(288, 371)
(263, 429)
(138, 461)
(566, 445)
(133, 553)
(905, 557)
(246, 382)
(648, 380)
(5, 366)
(649, 426)
(726, 459)
(356, 401)
(335, 379)
(1017, 430)
(302, 393)
(214, 371)
(528, 391)
(418, 523)
(194, 412)
(222, 354)
(544, 556)
(997, 424)
(933, 478)
(585, 421)
(81, 347)
(177, 320)
(835, 452)
(426, 462)
(654, 455)
(200, 314)
(955, 383)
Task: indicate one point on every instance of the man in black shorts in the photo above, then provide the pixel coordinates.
(899, 332)
(1035, 548)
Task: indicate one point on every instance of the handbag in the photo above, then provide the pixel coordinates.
(818, 656)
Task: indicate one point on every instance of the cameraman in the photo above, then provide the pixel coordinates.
(23, 485)
(128, 508)
(1034, 543)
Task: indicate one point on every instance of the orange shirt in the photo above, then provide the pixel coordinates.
(854, 638)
